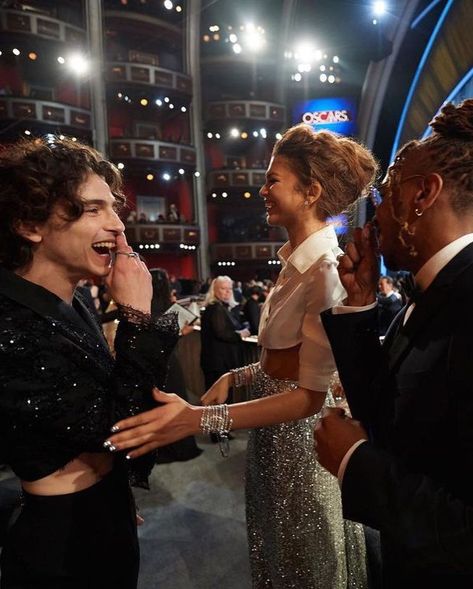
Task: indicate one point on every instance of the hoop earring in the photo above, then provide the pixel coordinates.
(418, 212)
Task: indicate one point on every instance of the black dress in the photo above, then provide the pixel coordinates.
(60, 392)
(222, 347)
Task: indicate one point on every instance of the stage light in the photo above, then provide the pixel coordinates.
(323, 77)
(166, 99)
(331, 79)
(379, 8)
(233, 38)
(78, 64)
(27, 132)
(158, 102)
(120, 165)
(33, 56)
(149, 177)
(166, 176)
(237, 48)
(197, 174)
(171, 106)
(234, 132)
(61, 60)
(168, 5)
(183, 109)
(144, 102)
(178, 8)
(217, 135)
(297, 77)
(255, 134)
(16, 51)
(244, 135)
(263, 133)
(336, 59)
(224, 194)
(181, 171)
(278, 136)
(209, 135)
(247, 194)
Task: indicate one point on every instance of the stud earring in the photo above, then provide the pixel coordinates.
(419, 212)
(306, 203)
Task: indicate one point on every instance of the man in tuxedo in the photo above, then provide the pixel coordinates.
(389, 304)
(405, 460)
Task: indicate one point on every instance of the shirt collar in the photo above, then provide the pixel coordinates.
(311, 249)
(426, 275)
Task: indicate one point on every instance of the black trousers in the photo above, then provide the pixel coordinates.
(83, 540)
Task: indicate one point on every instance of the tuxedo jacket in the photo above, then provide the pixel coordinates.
(413, 480)
(60, 388)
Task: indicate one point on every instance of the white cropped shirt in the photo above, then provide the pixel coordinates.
(307, 285)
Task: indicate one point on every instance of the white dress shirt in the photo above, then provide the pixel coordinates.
(307, 285)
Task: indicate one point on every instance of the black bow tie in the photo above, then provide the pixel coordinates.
(411, 289)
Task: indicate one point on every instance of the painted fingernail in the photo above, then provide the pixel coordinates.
(107, 444)
(128, 457)
(112, 448)
(114, 428)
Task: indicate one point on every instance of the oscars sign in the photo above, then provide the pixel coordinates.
(334, 114)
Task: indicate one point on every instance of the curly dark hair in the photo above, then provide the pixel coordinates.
(449, 152)
(343, 167)
(35, 176)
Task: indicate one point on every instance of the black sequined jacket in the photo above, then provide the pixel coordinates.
(60, 388)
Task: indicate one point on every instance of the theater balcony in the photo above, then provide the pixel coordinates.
(53, 115)
(219, 180)
(42, 25)
(246, 110)
(140, 149)
(151, 237)
(135, 72)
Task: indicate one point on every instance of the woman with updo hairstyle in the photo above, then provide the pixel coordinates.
(297, 535)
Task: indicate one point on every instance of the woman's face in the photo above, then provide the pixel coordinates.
(223, 290)
(283, 199)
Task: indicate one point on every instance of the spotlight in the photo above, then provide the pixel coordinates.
(120, 165)
(323, 78)
(16, 51)
(197, 174)
(379, 8)
(166, 99)
(61, 60)
(331, 79)
(234, 132)
(224, 194)
(27, 132)
(166, 176)
(33, 56)
(237, 48)
(336, 59)
(244, 135)
(168, 5)
(178, 8)
(217, 135)
(181, 171)
(78, 64)
(263, 133)
(297, 77)
(183, 109)
(144, 102)
(209, 135)
(149, 177)
(158, 102)
(247, 194)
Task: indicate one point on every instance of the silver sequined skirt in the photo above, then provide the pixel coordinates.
(297, 536)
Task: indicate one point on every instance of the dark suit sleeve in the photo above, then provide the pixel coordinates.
(355, 344)
(433, 528)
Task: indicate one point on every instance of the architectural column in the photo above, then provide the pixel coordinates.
(97, 75)
(192, 58)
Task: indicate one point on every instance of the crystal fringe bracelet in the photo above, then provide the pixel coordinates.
(216, 419)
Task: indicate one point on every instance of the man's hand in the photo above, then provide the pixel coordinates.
(359, 267)
(173, 420)
(335, 434)
(129, 281)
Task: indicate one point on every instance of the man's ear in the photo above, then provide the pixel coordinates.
(29, 231)
(433, 186)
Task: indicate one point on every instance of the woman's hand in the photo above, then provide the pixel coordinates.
(218, 392)
(358, 268)
(129, 281)
(173, 420)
